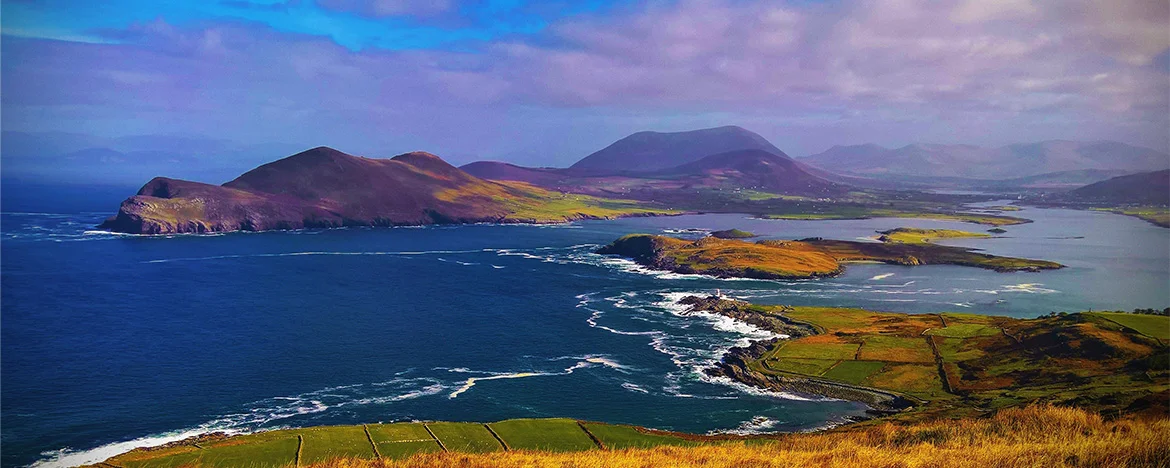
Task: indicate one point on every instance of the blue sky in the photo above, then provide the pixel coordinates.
(545, 83)
(352, 28)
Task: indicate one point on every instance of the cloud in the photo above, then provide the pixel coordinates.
(380, 8)
(947, 70)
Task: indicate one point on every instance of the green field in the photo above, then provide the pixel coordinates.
(329, 442)
(402, 439)
(830, 351)
(555, 435)
(1157, 326)
(896, 349)
(801, 366)
(465, 437)
(262, 450)
(616, 437)
(854, 372)
(964, 330)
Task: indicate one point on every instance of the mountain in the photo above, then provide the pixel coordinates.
(975, 162)
(651, 151)
(323, 187)
(752, 169)
(1148, 188)
(650, 165)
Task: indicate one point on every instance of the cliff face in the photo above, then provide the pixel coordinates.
(323, 187)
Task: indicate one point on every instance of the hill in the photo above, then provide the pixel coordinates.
(754, 170)
(651, 151)
(323, 187)
(975, 162)
(1147, 188)
(806, 258)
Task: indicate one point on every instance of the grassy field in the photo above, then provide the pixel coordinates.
(617, 437)
(854, 372)
(960, 362)
(1156, 326)
(1033, 436)
(1159, 215)
(923, 236)
(964, 330)
(465, 437)
(1026, 436)
(402, 439)
(329, 442)
(554, 435)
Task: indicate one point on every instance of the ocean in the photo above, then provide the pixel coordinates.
(111, 342)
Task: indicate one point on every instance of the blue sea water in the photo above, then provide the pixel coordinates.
(109, 342)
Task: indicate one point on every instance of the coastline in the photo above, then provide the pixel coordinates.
(734, 364)
(104, 228)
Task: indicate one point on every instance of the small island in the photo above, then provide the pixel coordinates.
(923, 236)
(797, 259)
(732, 234)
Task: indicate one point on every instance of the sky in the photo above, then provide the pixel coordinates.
(545, 83)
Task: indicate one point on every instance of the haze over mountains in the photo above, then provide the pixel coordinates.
(975, 162)
(74, 158)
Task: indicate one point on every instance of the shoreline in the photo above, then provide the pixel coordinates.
(734, 363)
(213, 231)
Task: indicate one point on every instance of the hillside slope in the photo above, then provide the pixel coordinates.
(1151, 188)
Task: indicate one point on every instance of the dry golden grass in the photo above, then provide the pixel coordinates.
(1039, 436)
(775, 258)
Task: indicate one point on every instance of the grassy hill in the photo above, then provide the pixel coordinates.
(806, 258)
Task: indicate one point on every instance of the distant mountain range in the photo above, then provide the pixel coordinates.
(656, 157)
(72, 158)
(975, 162)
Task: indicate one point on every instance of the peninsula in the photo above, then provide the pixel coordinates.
(949, 364)
(323, 187)
(805, 258)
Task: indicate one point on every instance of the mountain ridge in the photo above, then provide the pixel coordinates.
(323, 187)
